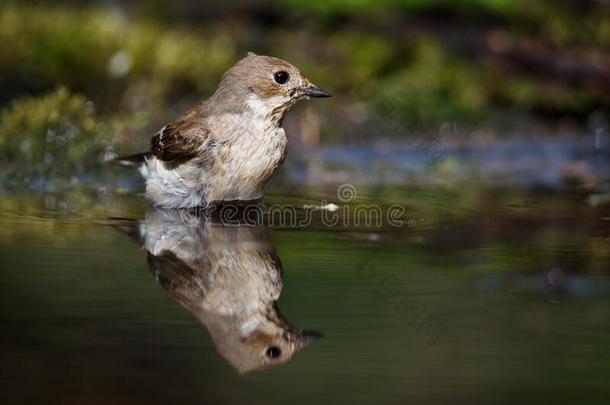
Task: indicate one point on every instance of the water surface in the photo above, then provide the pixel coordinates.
(484, 295)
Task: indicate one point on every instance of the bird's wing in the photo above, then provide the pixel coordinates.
(180, 140)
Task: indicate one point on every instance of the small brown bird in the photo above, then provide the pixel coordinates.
(228, 277)
(230, 146)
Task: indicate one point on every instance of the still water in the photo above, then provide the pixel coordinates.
(480, 295)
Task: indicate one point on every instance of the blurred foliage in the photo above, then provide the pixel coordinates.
(52, 133)
(396, 67)
(564, 22)
(118, 63)
(438, 60)
(57, 140)
(440, 87)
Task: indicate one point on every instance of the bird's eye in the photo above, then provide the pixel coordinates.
(281, 77)
(273, 352)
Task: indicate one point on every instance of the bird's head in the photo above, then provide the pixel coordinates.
(267, 85)
(263, 340)
(267, 348)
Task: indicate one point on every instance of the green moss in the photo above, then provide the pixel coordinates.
(56, 132)
(143, 71)
(434, 87)
(100, 53)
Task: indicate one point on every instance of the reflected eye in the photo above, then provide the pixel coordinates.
(273, 352)
(281, 77)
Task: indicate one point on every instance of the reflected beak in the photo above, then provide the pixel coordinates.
(308, 336)
(314, 91)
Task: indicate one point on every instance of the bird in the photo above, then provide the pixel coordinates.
(230, 146)
(228, 277)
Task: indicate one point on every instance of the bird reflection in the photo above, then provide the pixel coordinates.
(229, 278)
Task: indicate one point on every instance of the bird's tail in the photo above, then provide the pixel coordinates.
(132, 160)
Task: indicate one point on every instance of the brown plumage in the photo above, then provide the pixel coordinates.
(177, 142)
(228, 277)
(230, 146)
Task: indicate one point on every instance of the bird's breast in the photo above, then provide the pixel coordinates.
(245, 164)
(257, 157)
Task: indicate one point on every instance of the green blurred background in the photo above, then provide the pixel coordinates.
(82, 81)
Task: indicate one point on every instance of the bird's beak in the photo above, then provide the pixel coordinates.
(313, 91)
(308, 336)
